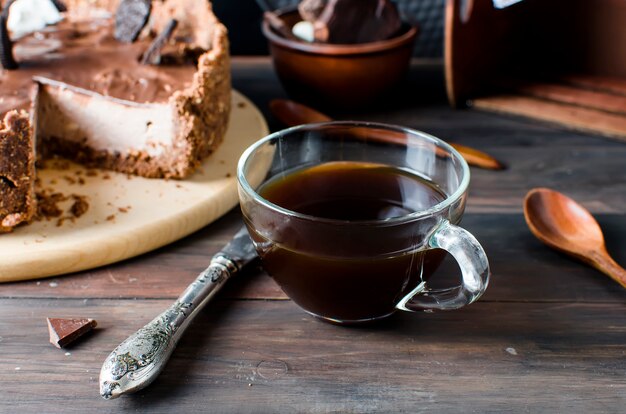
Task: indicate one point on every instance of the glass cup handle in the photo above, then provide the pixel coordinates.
(474, 269)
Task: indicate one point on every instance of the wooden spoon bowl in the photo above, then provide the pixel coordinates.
(565, 225)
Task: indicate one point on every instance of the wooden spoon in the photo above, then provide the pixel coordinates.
(565, 225)
(293, 113)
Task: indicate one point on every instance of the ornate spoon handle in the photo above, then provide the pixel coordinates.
(137, 361)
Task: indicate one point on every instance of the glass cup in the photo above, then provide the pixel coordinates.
(347, 270)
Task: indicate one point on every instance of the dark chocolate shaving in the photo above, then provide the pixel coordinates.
(279, 25)
(6, 45)
(152, 56)
(130, 18)
(59, 5)
(357, 21)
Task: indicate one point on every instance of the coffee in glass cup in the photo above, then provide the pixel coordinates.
(354, 218)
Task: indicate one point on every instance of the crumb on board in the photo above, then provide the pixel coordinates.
(106, 177)
(49, 206)
(241, 104)
(111, 217)
(56, 164)
(80, 205)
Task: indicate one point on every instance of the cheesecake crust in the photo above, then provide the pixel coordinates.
(17, 171)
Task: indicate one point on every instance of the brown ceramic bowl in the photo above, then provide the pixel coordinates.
(335, 76)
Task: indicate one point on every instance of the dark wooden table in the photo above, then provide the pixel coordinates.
(548, 336)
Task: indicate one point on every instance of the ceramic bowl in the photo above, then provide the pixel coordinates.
(337, 76)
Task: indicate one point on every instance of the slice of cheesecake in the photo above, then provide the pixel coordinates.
(97, 104)
(17, 171)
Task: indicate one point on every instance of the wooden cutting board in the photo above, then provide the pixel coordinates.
(128, 215)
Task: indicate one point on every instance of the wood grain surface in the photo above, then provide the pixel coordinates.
(548, 336)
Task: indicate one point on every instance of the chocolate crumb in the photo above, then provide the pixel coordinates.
(111, 217)
(241, 105)
(80, 205)
(228, 175)
(91, 173)
(81, 181)
(47, 207)
(106, 177)
(122, 210)
(70, 180)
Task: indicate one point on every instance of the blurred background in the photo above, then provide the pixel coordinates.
(243, 19)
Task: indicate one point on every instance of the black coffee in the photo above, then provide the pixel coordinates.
(348, 281)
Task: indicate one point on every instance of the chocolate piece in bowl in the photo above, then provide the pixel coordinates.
(357, 21)
(310, 10)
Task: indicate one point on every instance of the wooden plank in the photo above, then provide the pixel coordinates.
(597, 83)
(570, 95)
(524, 270)
(583, 119)
(258, 356)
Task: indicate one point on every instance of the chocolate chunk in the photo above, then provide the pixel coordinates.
(357, 21)
(152, 56)
(66, 331)
(279, 25)
(6, 45)
(310, 10)
(131, 16)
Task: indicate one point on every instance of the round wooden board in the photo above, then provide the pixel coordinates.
(128, 215)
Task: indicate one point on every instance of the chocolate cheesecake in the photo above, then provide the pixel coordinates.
(97, 103)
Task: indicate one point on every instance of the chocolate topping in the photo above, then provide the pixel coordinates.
(106, 66)
(6, 45)
(152, 56)
(131, 16)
